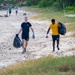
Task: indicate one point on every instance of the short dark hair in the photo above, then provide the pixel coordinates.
(53, 20)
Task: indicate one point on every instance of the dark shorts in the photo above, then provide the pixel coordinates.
(9, 12)
(16, 12)
(55, 37)
(26, 37)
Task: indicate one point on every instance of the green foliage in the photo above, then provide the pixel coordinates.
(1, 1)
(43, 3)
(21, 4)
(58, 5)
(46, 3)
(70, 8)
(12, 2)
(32, 2)
(48, 14)
(74, 4)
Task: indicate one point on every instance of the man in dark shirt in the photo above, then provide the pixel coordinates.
(25, 27)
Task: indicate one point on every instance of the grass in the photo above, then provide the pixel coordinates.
(71, 27)
(43, 66)
(46, 65)
(56, 15)
(49, 13)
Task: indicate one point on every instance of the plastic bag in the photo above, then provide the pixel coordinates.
(62, 29)
(33, 36)
(17, 42)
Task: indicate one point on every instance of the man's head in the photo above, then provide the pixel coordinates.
(53, 21)
(26, 19)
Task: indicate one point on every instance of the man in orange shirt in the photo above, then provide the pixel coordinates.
(55, 34)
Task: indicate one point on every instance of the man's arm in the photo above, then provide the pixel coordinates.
(32, 29)
(20, 30)
(47, 32)
(33, 35)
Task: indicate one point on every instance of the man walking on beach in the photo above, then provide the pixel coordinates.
(25, 26)
(55, 34)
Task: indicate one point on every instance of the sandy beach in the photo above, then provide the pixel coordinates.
(38, 47)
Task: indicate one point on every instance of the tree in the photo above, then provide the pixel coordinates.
(46, 3)
(32, 2)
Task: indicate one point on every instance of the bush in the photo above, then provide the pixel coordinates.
(74, 4)
(70, 8)
(57, 5)
(21, 4)
(45, 3)
(32, 2)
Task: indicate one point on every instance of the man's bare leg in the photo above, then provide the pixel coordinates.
(53, 45)
(23, 46)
